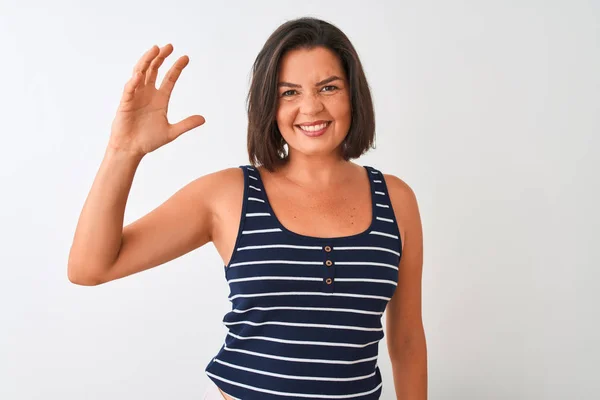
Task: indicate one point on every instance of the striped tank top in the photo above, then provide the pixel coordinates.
(306, 311)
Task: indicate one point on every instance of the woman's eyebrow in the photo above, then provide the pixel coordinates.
(323, 82)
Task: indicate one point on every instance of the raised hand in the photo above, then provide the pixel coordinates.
(141, 125)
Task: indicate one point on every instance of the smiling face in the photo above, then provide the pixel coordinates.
(313, 106)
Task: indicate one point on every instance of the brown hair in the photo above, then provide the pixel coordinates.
(265, 143)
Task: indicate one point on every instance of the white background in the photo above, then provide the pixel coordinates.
(489, 110)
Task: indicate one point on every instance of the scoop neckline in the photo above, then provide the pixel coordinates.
(318, 238)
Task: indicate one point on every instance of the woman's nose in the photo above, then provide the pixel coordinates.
(311, 104)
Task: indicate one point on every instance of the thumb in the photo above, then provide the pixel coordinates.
(185, 125)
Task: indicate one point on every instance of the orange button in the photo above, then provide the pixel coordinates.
(327, 249)
(328, 280)
(328, 263)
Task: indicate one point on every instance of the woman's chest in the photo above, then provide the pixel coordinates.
(335, 214)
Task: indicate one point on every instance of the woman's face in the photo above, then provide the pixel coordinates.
(313, 112)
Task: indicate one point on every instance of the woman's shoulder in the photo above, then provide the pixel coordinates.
(404, 201)
(224, 180)
(398, 186)
(219, 191)
(216, 188)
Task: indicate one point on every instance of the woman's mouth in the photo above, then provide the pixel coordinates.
(314, 130)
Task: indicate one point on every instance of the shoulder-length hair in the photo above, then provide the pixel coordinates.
(265, 142)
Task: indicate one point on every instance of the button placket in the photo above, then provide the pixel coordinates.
(329, 273)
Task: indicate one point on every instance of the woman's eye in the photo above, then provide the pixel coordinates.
(291, 92)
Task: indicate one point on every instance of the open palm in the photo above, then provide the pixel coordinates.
(141, 125)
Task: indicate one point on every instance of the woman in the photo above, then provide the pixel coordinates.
(315, 247)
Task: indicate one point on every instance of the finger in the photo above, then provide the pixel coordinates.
(185, 125)
(144, 62)
(171, 77)
(130, 86)
(157, 62)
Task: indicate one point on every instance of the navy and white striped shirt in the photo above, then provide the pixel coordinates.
(306, 311)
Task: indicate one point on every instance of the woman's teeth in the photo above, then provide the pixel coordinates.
(314, 128)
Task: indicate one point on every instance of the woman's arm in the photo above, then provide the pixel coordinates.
(98, 234)
(103, 250)
(404, 325)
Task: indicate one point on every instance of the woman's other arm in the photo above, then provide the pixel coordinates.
(404, 325)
